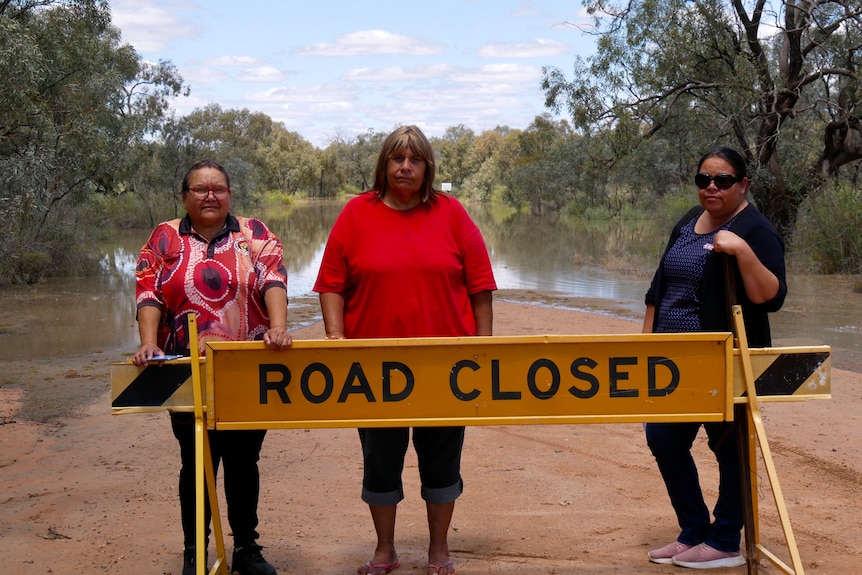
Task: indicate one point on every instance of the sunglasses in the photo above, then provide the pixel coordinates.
(201, 192)
(722, 181)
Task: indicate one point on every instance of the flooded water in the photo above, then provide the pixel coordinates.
(549, 261)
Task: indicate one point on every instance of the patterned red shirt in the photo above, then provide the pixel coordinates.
(223, 281)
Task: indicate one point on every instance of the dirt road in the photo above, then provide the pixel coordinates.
(94, 493)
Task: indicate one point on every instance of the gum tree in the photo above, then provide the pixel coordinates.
(757, 75)
(67, 121)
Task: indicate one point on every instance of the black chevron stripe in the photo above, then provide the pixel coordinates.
(153, 386)
(788, 372)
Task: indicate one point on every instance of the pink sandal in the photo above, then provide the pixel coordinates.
(369, 567)
(436, 569)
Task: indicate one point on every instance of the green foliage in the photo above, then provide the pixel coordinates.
(487, 160)
(24, 266)
(72, 107)
(288, 163)
(827, 238)
(541, 167)
(452, 154)
(349, 190)
(356, 157)
(87, 139)
(331, 180)
(673, 205)
(679, 76)
(596, 213)
(64, 248)
(278, 198)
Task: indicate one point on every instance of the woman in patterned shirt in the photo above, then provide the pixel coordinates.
(229, 271)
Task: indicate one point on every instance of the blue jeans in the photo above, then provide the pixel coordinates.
(671, 443)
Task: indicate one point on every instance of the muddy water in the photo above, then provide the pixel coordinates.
(544, 262)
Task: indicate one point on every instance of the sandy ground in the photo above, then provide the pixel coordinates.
(82, 491)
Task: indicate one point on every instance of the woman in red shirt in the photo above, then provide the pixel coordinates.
(405, 260)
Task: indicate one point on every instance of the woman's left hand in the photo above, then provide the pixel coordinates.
(277, 339)
(729, 243)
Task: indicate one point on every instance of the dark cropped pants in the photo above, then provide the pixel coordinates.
(438, 451)
(240, 452)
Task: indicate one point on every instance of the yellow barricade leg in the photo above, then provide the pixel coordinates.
(760, 432)
(753, 542)
(204, 472)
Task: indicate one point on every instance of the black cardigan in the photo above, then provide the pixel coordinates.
(768, 246)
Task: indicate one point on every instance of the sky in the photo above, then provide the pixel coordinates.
(338, 68)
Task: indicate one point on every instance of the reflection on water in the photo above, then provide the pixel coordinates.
(565, 263)
(823, 310)
(569, 258)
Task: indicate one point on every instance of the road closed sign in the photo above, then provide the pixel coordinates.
(471, 381)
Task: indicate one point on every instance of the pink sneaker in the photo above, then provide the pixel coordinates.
(705, 557)
(666, 554)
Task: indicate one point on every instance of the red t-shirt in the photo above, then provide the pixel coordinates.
(405, 273)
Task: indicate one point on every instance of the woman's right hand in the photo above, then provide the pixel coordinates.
(145, 353)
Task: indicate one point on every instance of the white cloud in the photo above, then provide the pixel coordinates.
(474, 96)
(321, 93)
(150, 26)
(231, 61)
(397, 73)
(332, 107)
(261, 74)
(538, 48)
(372, 43)
(431, 75)
(504, 73)
(497, 73)
(204, 75)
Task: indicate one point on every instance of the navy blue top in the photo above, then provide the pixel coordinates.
(683, 268)
(713, 295)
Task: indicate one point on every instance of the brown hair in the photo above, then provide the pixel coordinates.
(406, 137)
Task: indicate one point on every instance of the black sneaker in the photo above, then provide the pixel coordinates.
(247, 560)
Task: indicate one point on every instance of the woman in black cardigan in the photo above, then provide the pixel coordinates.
(721, 251)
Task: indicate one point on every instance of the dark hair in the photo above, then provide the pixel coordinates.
(401, 139)
(730, 156)
(200, 165)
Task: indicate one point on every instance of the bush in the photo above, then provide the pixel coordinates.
(673, 205)
(24, 267)
(274, 199)
(826, 238)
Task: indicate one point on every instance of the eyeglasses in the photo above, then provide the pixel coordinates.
(201, 192)
(722, 181)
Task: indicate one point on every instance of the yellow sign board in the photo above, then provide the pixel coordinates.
(781, 374)
(152, 388)
(786, 373)
(478, 381)
(471, 381)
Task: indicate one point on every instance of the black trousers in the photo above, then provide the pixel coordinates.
(239, 451)
(438, 450)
